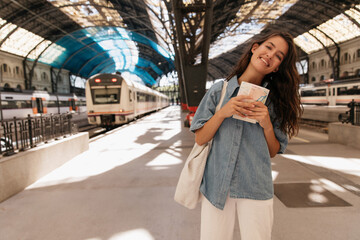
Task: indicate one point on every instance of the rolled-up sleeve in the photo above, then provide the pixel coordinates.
(281, 136)
(206, 107)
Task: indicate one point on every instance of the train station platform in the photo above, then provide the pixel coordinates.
(122, 189)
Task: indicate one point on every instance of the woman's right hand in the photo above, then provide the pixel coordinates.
(239, 105)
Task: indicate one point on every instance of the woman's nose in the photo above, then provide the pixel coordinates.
(270, 54)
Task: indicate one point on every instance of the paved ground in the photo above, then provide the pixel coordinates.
(122, 188)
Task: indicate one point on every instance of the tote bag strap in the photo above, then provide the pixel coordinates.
(223, 92)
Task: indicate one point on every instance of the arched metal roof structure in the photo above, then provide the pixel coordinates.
(314, 24)
(137, 36)
(87, 37)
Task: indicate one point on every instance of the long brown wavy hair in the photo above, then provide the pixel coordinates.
(283, 84)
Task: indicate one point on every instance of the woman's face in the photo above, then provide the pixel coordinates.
(268, 56)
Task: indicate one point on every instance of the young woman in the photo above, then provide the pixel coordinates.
(237, 178)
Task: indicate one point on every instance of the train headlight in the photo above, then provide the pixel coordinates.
(98, 80)
(114, 80)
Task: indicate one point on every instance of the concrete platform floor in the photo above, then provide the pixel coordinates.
(122, 188)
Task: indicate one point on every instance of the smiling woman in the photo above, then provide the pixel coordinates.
(244, 149)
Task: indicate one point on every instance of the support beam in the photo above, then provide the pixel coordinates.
(193, 29)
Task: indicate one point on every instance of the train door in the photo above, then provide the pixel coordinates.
(131, 101)
(332, 96)
(136, 103)
(38, 105)
(72, 105)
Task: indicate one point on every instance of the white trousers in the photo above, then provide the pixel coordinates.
(255, 219)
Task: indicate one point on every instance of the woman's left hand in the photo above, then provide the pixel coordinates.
(261, 114)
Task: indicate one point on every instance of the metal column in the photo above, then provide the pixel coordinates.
(193, 23)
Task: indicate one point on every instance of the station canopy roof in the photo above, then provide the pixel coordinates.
(92, 36)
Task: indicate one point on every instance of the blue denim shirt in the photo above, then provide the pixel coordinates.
(239, 159)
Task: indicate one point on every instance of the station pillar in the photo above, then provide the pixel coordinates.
(193, 22)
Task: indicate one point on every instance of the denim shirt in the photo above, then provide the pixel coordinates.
(239, 160)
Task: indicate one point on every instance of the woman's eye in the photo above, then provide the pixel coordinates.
(268, 47)
(279, 57)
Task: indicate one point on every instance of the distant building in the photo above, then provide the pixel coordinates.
(320, 67)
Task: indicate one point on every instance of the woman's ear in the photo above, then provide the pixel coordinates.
(254, 47)
(276, 69)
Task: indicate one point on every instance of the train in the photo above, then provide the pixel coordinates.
(21, 104)
(331, 93)
(112, 100)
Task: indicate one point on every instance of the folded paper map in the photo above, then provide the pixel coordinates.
(256, 92)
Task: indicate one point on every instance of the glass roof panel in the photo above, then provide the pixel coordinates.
(124, 48)
(339, 29)
(20, 41)
(159, 18)
(306, 41)
(102, 49)
(243, 28)
(2, 22)
(88, 13)
(354, 13)
(51, 55)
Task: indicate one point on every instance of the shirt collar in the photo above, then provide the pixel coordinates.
(232, 86)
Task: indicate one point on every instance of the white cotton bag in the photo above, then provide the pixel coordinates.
(188, 188)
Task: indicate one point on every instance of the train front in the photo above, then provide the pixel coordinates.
(103, 95)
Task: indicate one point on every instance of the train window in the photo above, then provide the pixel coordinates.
(141, 97)
(341, 91)
(80, 102)
(64, 103)
(23, 103)
(52, 104)
(106, 96)
(8, 104)
(130, 96)
(317, 92)
(320, 92)
(353, 91)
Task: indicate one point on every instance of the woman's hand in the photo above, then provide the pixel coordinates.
(239, 105)
(260, 113)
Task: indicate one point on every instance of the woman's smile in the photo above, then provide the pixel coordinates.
(265, 61)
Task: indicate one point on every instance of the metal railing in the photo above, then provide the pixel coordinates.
(353, 115)
(25, 133)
